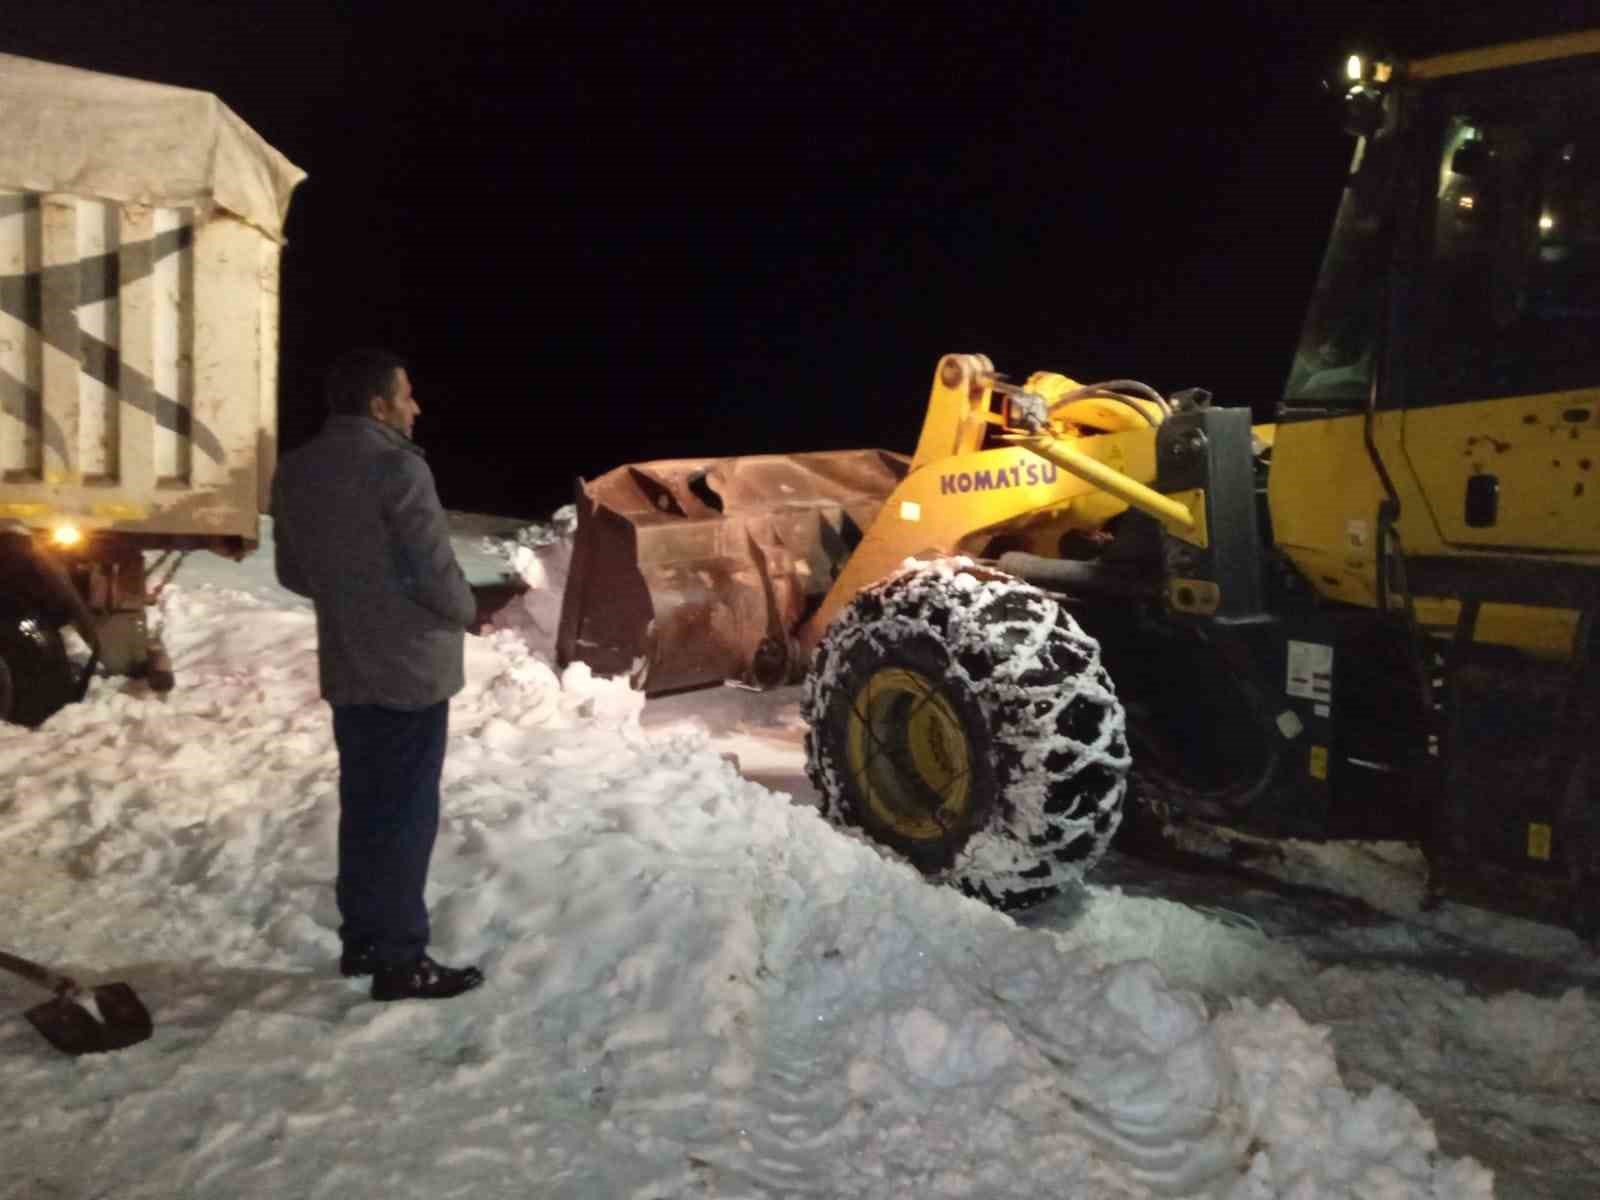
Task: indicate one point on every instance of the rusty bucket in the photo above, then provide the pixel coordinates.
(688, 572)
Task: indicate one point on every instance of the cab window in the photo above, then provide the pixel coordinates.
(1336, 357)
(1508, 298)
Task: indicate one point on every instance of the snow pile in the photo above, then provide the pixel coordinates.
(1210, 954)
(694, 987)
(1511, 1076)
(1514, 1076)
(540, 555)
(1316, 1138)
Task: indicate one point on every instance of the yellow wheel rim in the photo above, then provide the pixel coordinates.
(909, 755)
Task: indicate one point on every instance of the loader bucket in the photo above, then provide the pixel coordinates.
(688, 572)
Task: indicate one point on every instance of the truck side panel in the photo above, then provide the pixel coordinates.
(138, 367)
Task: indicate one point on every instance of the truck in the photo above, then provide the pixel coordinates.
(141, 232)
(1372, 617)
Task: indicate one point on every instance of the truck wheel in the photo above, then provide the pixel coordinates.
(39, 677)
(963, 720)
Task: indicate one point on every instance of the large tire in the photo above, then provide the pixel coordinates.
(41, 677)
(963, 720)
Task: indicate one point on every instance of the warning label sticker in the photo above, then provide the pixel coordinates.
(1310, 671)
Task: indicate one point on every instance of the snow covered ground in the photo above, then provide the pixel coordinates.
(698, 988)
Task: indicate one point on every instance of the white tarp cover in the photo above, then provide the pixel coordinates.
(111, 138)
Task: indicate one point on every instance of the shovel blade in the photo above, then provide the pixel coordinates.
(70, 1027)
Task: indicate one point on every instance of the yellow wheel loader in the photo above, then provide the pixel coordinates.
(1373, 619)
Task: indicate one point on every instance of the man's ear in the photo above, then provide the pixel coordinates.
(375, 406)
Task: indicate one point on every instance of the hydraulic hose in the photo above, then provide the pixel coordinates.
(1068, 575)
(1121, 390)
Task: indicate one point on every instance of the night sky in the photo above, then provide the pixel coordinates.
(604, 233)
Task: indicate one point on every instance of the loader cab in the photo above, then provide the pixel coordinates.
(1459, 302)
(1500, 357)
(1467, 242)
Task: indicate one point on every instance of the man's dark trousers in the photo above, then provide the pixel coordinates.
(390, 761)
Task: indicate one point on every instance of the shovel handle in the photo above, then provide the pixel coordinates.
(32, 971)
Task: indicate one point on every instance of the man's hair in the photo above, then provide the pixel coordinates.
(358, 375)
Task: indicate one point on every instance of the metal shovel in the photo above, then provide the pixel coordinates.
(79, 1020)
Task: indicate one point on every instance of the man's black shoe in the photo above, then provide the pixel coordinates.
(423, 980)
(357, 960)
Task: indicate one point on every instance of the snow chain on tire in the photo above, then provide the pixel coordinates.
(962, 719)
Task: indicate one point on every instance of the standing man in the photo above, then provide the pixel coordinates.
(359, 530)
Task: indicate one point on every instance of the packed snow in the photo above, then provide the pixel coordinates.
(696, 987)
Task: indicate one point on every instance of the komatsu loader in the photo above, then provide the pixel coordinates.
(1373, 618)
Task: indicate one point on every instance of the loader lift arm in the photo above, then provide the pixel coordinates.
(689, 572)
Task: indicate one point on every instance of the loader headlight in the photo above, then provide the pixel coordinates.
(66, 536)
(1361, 87)
(1369, 71)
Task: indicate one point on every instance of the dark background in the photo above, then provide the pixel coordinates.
(605, 233)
